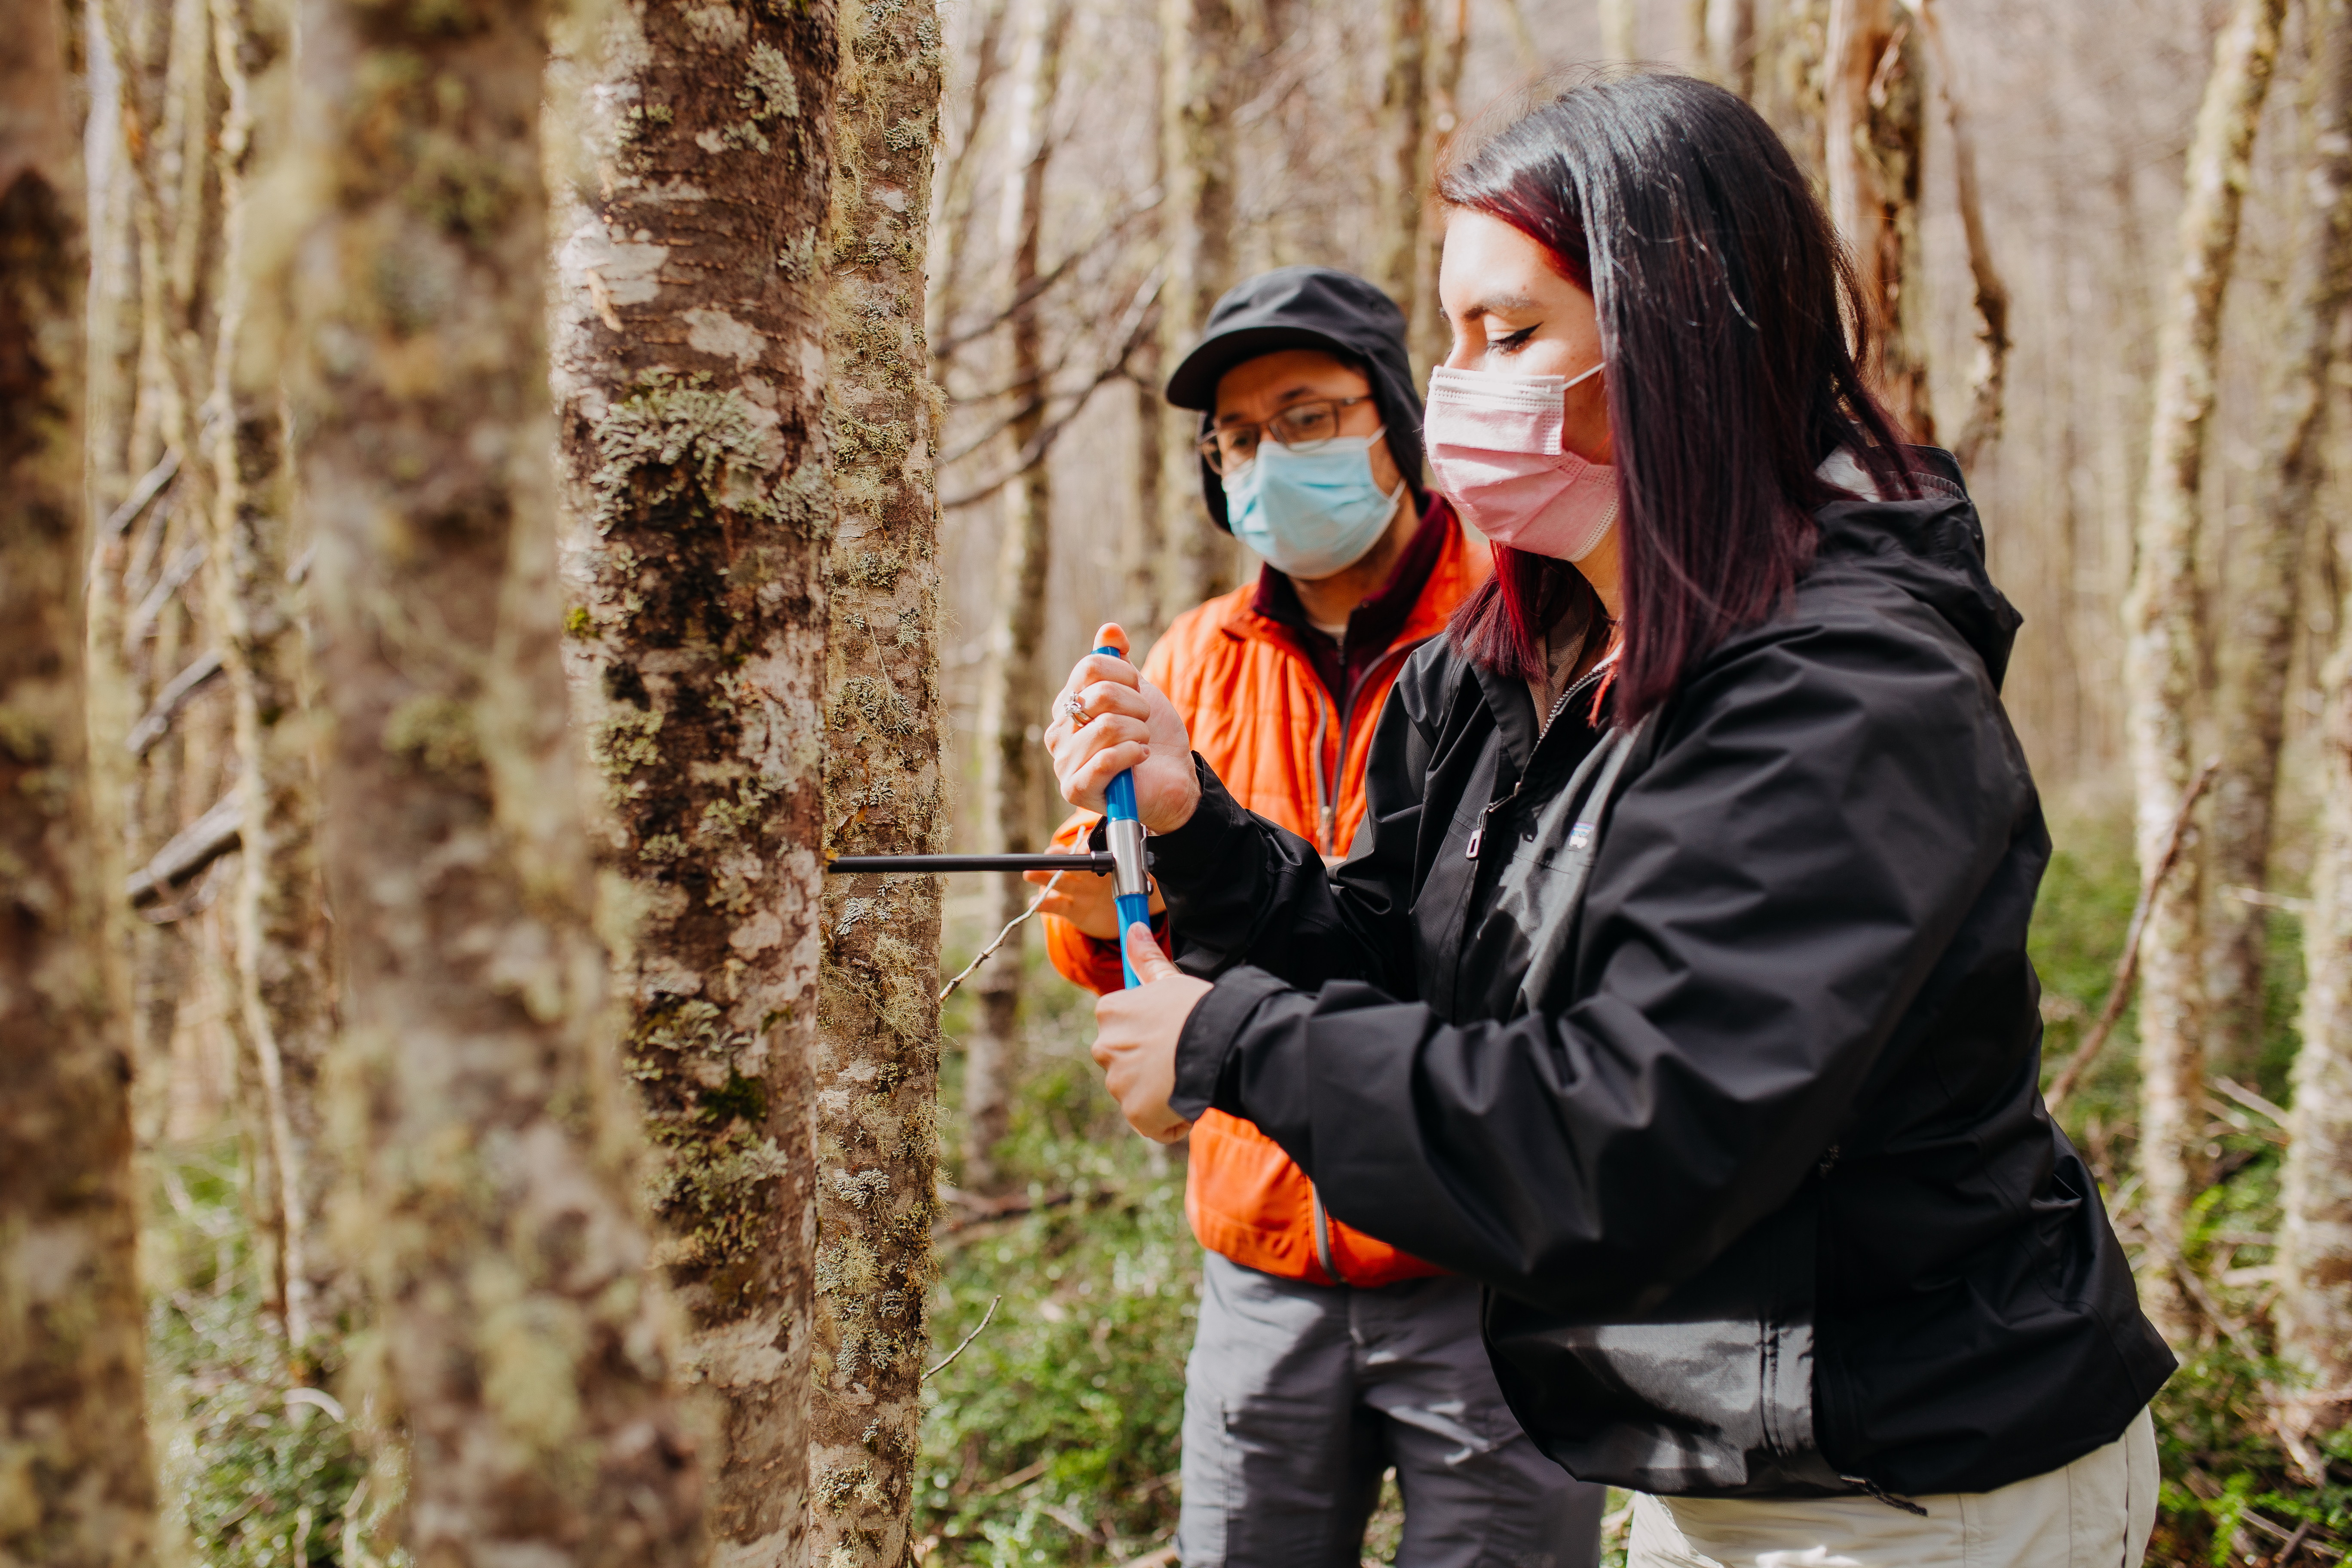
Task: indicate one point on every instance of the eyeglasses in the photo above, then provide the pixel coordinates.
(1303, 427)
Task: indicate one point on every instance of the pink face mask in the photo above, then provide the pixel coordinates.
(1494, 445)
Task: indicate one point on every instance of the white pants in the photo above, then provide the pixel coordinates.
(2096, 1512)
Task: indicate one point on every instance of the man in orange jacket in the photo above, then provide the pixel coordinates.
(1324, 1355)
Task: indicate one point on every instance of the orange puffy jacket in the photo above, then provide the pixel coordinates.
(1258, 713)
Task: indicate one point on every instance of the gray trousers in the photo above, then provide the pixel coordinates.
(1298, 1397)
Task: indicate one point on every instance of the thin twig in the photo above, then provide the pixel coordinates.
(985, 1318)
(2127, 966)
(194, 848)
(1010, 926)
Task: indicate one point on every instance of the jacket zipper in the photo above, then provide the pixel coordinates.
(1478, 833)
(1323, 1236)
(1326, 809)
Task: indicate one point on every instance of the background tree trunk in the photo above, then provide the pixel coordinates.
(1617, 31)
(1404, 157)
(876, 1070)
(76, 1490)
(1731, 43)
(689, 344)
(284, 963)
(2314, 1299)
(1874, 123)
(476, 1084)
(1203, 65)
(2161, 660)
(1013, 690)
(2257, 645)
(1430, 339)
(1988, 372)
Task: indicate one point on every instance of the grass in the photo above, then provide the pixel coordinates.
(250, 1477)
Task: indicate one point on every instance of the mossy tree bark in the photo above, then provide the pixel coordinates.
(2314, 1299)
(76, 1488)
(1403, 155)
(2257, 645)
(1875, 135)
(1429, 338)
(1012, 688)
(473, 1084)
(877, 1068)
(284, 964)
(689, 378)
(1202, 59)
(2161, 641)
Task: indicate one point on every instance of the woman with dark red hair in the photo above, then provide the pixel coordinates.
(1675, 987)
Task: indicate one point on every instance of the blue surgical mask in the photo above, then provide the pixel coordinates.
(1313, 514)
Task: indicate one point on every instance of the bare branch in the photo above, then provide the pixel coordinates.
(2128, 966)
(194, 848)
(143, 495)
(1988, 375)
(1139, 325)
(947, 343)
(183, 687)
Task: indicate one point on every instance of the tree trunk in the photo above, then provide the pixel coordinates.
(1201, 44)
(2258, 643)
(1013, 689)
(1988, 372)
(1788, 76)
(2160, 653)
(688, 355)
(1403, 163)
(1874, 121)
(2314, 1300)
(284, 966)
(1731, 43)
(475, 1081)
(877, 1065)
(1617, 31)
(1430, 338)
(76, 1490)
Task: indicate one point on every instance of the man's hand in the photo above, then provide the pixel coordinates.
(1086, 902)
(1136, 1034)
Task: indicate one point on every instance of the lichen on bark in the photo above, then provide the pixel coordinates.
(878, 1055)
(689, 372)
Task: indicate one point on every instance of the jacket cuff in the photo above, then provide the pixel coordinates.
(1218, 836)
(1206, 1048)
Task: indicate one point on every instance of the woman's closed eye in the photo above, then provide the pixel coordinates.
(1511, 343)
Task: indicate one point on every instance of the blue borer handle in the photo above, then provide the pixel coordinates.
(1129, 883)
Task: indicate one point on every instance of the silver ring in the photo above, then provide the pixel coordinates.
(1076, 708)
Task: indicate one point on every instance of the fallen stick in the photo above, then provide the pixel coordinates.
(2127, 966)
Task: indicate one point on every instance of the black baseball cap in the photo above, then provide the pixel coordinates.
(1306, 307)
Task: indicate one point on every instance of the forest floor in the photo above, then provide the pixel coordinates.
(1052, 1437)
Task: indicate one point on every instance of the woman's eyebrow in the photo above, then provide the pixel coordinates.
(1500, 305)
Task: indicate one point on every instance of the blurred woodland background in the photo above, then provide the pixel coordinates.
(497, 490)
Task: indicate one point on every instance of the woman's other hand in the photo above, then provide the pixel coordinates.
(1136, 1034)
(1087, 901)
(1121, 723)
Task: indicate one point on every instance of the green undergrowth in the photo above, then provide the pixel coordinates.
(2230, 1495)
(256, 1470)
(1052, 1437)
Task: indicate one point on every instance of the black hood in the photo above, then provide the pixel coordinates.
(1933, 549)
(1307, 308)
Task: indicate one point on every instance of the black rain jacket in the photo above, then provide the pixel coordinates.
(1756, 1168)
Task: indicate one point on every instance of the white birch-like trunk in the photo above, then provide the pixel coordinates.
(1012, 684)
(2161, 635)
